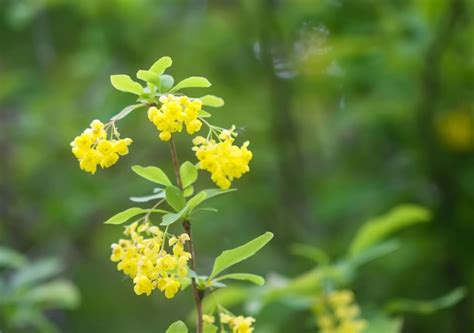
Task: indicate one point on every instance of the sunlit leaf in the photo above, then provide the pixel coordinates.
(211, 100)
(149, 76)
(243, 276)
(161, 65)
(192, 82)
(177, 327)
(167, 82)
(159, 195)
(153, 174)
(126, 84)
(231, 257)
(188, 173)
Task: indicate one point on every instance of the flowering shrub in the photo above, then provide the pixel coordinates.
(151, 255)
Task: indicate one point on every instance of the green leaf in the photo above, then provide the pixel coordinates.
(204, 114)
(231, 257)
(188, 173)
(209, 328)
(167, 82)
(177, 327)
(196, 201)
(152, 174)
(126, 84)
(376, 229)
(311, 252)
(149, 76)
(159, 195)
(188, 191)
(205, 209)
(427, 307)
(175, 198)
(11, 258)
(215, 192)
(127, 214)
(161, 65)
(171, 218)
(54, 294)
(192, 82)
(36, 272)
(243, 276)
(384, 324)
(211, 100)
(122, 114)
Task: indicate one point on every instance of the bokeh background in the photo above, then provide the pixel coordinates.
(351, 107)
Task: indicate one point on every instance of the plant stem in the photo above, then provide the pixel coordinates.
(198, 294)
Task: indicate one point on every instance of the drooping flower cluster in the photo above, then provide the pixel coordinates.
(92, 148)
(238, 324)
(337, 313)
(224, 160)
(144, 259)
(173, 113)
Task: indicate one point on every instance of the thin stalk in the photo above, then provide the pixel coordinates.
(198, 294)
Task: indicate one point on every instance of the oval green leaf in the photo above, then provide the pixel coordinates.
(192, 82)
(177, 327)
(175, 198)
(161, 65)
(257, 279)
(211, 100)
(152, 174)
(231, 257)
(127, 214)
(167, 82)
(126, 84)
(188, 173)
(149, 76)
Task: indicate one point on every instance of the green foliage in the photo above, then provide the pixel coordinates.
(380, 227)
(175, 198)
(127, 214)
(384, 324)
(177, 327)
(160, 66)
(188, 173)
(211, 100)
(231, 257)
(426, 307)
(126, 84)
(11, 259)
(244, 277)
(192, 82)
(153, 174)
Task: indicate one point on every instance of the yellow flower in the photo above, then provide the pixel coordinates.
(242, 324)
(169, 286)
(143, 285)
(173, 114)
(337, 313)
(224, 160)
(143, 259)
(208, 319)
(92, 148)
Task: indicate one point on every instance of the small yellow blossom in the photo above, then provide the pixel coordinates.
(173, 114)
(224, 160)
(144, 259)
(92, 148)
(337, 313)
(208, 319)
(238, 324)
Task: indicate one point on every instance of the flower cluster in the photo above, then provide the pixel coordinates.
(337, 313)
(224, 160)
(92, 148)
(144, 259)
(173, 113)
(238, 324)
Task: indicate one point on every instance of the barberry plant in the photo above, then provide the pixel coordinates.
(151, 254)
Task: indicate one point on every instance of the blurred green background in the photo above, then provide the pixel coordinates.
(351, 107)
